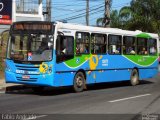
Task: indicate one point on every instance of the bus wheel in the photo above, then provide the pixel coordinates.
(134, 79)
(79, 82)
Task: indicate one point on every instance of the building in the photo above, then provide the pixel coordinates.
(19, 10)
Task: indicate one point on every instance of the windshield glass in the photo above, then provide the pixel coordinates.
(30, 47)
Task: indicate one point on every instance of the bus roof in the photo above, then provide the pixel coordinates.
(116, 31)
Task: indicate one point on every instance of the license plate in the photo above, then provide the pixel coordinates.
(25, 77)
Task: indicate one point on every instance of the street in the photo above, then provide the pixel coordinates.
(101, 99)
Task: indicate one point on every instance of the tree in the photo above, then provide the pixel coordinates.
(142, 15)
(115, 19)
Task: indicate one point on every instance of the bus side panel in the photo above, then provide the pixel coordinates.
(109, 68)
(147, 73)
(108, 76)
(64, 79)
(115, 75)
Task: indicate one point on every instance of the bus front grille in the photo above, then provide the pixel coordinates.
(27, 68)
(28, 80)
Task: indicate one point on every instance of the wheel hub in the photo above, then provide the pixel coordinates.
(134, 79)
(79, 81)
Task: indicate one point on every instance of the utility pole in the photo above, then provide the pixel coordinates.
(48, 10)
(87, 12)
(107, 13)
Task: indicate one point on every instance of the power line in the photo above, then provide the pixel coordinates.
(70, 4)
(96, 17)
(82, 14)
(80, 10)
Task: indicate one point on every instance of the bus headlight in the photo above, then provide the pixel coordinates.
(8, 68)
(50, 70)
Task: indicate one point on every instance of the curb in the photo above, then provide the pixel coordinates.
(2, 89)
(13, 88)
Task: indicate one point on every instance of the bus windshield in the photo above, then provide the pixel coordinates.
(30, 47)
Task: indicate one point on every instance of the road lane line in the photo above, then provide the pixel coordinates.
(36, 117)
(41, 116)
(129, 98)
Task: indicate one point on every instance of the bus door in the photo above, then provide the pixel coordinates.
(64, 48)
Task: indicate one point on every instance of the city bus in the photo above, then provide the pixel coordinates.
(60, 54)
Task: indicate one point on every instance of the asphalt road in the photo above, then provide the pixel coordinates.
(110, 101)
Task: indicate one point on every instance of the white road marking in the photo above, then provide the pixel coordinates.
(129, 98)
(33, 118)
(41, 116)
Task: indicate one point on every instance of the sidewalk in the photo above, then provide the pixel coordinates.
(2, 81)
(3, 85)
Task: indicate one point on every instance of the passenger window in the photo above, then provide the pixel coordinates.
(142, 46)
(152, 44)
(64, 48)
(129, 45)
(82, 43)
(98, 43)
(114, 42)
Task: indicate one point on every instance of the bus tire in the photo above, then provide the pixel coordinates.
(134, 79)
(79, 82)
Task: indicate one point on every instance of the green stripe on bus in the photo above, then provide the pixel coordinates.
(142, 60)
(77, 61)
(143, 35)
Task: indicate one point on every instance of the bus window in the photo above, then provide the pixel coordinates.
(82, 43)
(142, 46)
(98, 43)
(129, 45)
(64, 48)
(18, 49)
(152, 44)
(114, 42)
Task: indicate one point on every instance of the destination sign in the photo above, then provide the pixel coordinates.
(32, 27)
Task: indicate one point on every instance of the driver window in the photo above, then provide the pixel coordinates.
(64, 48)
(18, 49)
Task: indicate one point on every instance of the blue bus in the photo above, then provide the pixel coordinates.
(61, 54)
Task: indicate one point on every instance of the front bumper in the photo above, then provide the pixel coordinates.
(40, 80)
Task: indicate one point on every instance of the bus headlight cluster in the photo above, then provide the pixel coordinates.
(8, 68)
(50, 70)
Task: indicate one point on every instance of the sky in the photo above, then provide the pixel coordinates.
(74, 10)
